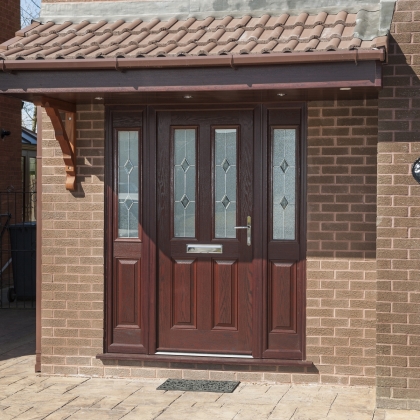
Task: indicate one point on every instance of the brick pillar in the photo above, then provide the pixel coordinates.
(10, 109)
(398, 233)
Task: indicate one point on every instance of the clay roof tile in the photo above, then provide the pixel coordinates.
(127, 27)
(200, 24)
(182, 25)
(184, 50)
(163, 25)
(311, 33)
(210, 36)
(234, 24)
(231, 36)
(271, 34)
(23, 31)
(307, 46)
(332, 32)
(276, 21)
(219, 23)
(286, 47)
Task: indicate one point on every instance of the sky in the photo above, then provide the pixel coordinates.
(29, 9)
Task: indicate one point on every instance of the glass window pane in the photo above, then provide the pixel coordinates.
(284, 184)
(225, 175)
(128, 184)
(184, 183)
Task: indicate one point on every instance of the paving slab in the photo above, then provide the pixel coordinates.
(25, 395)
(397, 415)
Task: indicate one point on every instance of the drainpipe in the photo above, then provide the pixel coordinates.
(38, 238)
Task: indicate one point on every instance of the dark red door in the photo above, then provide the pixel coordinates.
(212, 288)
(205, 262)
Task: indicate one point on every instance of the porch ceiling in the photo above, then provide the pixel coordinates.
(204, 97)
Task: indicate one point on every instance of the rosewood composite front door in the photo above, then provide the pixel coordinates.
(205, 239)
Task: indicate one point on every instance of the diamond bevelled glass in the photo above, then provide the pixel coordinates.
(128, 184)
(184, 182)
(185, 201)
(128, 166)
(128, 203)
(185, 165)
(225, 180)
(225, 201)
(284, 202)
(284, 165)
(225, 165)
(284, 183)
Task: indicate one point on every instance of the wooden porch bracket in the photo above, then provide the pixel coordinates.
(65, 133)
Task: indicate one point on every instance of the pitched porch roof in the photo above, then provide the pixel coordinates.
(268, 34)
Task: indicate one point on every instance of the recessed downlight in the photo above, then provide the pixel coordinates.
(187, 96)
(281, 94)
(99, 98)
(345, 88)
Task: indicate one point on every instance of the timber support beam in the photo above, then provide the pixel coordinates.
(63, 119)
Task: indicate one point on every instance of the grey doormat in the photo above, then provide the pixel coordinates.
(198, 385)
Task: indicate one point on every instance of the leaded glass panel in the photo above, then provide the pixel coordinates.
(184, 183)
(128, 184)
(284, 184)
(225, 182)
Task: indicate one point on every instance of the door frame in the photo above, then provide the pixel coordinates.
(149, 285)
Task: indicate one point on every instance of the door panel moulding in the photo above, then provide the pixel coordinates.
(65, 133)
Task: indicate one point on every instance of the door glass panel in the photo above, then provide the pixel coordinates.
(284, 183)
(184, 183)
(225, 182)
(128, 184)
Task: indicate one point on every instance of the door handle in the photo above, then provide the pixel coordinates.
(248, 228)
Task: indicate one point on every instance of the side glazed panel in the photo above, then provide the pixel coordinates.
(225, 294)
(184, 294)
(283, 333)
(125, 266)
(282, 297)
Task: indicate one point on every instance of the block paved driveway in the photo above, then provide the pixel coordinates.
(26, 395)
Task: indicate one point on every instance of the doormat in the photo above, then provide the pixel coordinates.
(198, 385)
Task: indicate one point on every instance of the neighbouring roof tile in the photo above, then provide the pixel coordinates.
(267, 34)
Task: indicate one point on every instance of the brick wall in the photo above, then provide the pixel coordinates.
(341, 255)
(10, 9)
(341, 278)
(72, 269)
(10, 147)
(398, 244)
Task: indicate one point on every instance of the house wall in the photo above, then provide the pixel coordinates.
(341, 265)
(398, 244)
(341, 255)
(10, 146)
(10, 109)
(72, 250)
